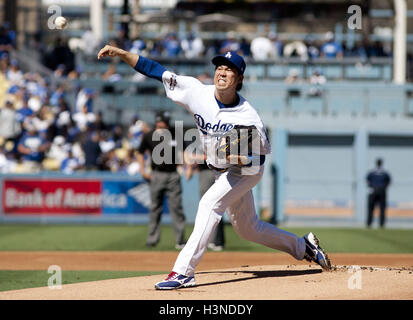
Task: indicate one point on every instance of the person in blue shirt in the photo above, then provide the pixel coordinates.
(58, 94)
(32, 146)
(377, 180)
(331, 49)
(70, 163)
(172, 45)
(24, 111)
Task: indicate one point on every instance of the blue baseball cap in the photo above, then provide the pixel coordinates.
(231, 59)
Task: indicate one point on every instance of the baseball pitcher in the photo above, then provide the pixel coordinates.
(236, 143)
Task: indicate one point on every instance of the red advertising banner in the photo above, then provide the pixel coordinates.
(26, 196)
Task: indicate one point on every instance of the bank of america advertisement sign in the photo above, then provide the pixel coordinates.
(64, 196)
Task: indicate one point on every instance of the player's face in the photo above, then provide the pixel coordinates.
(226, 78)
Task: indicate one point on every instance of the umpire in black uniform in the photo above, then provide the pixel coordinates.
(377, 180)
(163, 179)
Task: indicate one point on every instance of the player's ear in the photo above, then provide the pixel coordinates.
(240, 80)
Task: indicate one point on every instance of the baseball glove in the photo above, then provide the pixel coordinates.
(235, 145)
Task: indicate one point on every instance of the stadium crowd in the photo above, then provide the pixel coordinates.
(262, 47)
(39, 130)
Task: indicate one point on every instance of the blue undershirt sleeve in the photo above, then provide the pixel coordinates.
(150, 68)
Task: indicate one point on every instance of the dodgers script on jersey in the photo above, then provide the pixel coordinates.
(211, 120)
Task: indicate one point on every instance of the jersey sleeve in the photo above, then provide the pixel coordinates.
(180, 89)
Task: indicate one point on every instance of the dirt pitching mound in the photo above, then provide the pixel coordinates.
(269, 282)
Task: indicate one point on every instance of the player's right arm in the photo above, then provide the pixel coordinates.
(147, 67)
(111, 51)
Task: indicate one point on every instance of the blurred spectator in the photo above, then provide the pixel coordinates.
(59, 148)
(4, 62)
(261, 48)
(312, 49)
(111, 75)
(41, 120)
(92, 151)
(366, 50)
(60, 71)
(296, 49)
(77, 147)
(214, 48)
(76, 74)
(84, 118)
(110, 161)
(70, 163)
(378, 50)
(60, 54)
(9, 126)
(117, 136)
(90, 42)
(135, 132)
(293, 77)
(192, 46)
(171, 45)
(32, 148)
(100, 124)
(24, 111)
(106, 142)
(6, 43)
(36, 89)
(62, 119)
(7, 162)
(86, 97)
(132, 163)
(14, 74)
(245, 48)
(10, 32)
(73, 132)
(230, 44)
(58, 94)
(277, 45)
(157, 48)
(330, 48)
(122, 40)
(361, 50)
(317, 80)
(138, 46)
(57, 153)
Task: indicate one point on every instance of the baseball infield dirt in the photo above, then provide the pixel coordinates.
(225, 275)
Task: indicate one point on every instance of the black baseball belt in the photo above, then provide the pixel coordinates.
(262, 160)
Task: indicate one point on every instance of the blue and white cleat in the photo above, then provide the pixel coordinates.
(175, 281)
(313, 252)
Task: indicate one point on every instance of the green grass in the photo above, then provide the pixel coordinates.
(127, 237)
(21, 279)
(17, 237)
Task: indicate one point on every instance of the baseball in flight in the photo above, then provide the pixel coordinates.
(60, 22)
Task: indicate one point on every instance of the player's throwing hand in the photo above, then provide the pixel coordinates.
(109, 51)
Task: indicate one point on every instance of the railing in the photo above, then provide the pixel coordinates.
(273, 98)
(349, 68)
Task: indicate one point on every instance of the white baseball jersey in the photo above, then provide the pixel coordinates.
(212, 120)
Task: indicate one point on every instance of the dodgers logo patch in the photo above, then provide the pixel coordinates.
(172, 82)
(205, 126)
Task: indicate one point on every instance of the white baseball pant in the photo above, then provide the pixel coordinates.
(232, 192)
